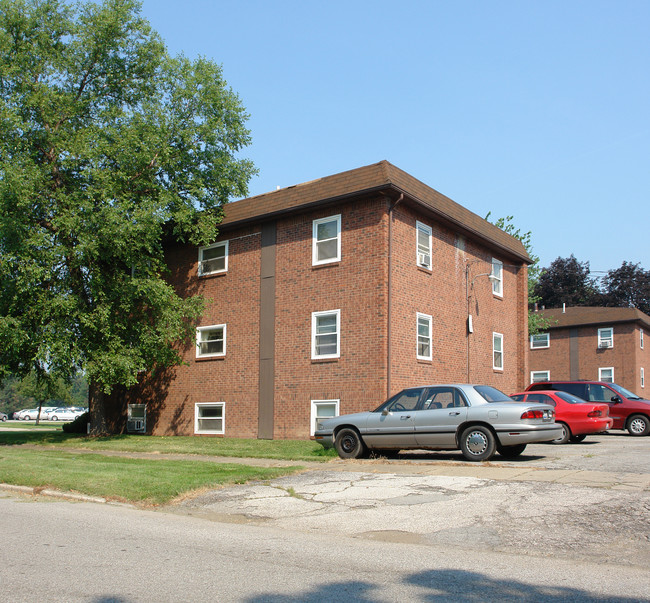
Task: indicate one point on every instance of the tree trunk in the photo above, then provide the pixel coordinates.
(97, 409)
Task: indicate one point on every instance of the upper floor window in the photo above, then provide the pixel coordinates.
(423, 245)
(325, 334)
(606, 338)
(326, 241)
(641, 338)
(211, 341)
(539, 340)
(497, 273)
(424, 336)
(606, 374)
(642, 377)
(213, 258)
(497, 351)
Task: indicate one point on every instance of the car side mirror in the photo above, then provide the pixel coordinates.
(616, 400)
(384, 412)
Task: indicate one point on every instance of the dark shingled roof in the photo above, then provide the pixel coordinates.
(378, 177)
(577, 316)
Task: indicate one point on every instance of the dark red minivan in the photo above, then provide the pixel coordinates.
(627, 409)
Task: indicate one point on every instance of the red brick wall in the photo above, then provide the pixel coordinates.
(441, 293)
(626, 357)
(357, 286)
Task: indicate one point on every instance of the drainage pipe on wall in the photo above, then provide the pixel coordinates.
(390, 294)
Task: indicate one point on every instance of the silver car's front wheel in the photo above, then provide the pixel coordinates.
(477, 444)
(348, 444)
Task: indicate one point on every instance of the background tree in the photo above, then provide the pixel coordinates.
(567, 281)
(107, 146)
(536, 322)
(627, 286)
(16, 393)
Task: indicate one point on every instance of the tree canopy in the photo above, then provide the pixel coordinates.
(108, 145)
(569, 281)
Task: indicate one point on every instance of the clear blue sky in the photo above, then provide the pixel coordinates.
(535, 109)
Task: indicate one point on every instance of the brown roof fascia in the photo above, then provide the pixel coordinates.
(583, 316)
(382, 177)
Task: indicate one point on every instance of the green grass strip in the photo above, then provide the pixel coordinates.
(123, 479)
(291, 450)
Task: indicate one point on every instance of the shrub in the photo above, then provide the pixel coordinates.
(79, 425)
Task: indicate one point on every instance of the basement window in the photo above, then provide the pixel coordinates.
(209, 417)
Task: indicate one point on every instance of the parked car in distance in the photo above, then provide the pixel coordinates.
(3, 416)
(28, 414)
(578, 417)
(626, 409)
(479, 420)
(65, 414)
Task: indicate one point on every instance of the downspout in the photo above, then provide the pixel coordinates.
(390, 294)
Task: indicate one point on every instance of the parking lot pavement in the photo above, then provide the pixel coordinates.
(568, 501)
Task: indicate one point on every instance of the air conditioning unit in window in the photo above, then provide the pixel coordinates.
(424, 259)
(135, 425)
(606, 344)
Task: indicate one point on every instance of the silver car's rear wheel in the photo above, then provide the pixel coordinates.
(477, 443)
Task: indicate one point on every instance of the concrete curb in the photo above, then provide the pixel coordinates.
(36, 491)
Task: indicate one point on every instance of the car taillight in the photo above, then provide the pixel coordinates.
(533, 414)
(594, 413)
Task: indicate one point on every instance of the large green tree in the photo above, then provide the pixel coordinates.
(109, 147)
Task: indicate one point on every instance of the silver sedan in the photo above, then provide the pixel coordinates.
(478, 420)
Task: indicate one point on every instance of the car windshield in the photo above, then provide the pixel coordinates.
(491, 394)
(626, 393)
(570, 398)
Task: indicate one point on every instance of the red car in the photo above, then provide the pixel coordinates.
(577, 416)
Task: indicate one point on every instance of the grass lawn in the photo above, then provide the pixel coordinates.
(123, 479)
(291, 450)
(84, 469)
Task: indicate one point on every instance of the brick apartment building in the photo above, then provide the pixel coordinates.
(327, 297)
(595, 344)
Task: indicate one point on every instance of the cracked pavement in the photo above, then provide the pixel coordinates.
(542, 508)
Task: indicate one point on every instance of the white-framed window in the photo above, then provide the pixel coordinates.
(606, 337)
(497, 351)
(540, 340)
(326, 241)
(423, 250)
(213, 259)
(642, 377)
(606, 374)
(424, 336)
(136, 419)
(209, 417)
(325, 334)
(497, 273)
(211, 341)
(323, 409)
(641, 338)
(536, 376)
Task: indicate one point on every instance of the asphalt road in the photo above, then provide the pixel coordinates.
(564, 523)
